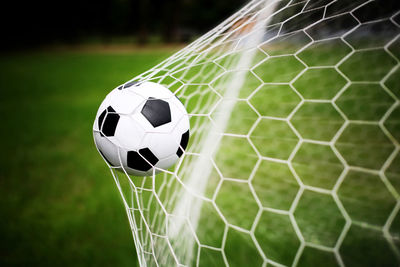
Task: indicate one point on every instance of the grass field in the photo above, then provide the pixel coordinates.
(59, 205)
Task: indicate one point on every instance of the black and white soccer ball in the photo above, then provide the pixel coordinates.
(141, 127)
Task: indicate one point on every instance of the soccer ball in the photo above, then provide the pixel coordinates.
(141, 127)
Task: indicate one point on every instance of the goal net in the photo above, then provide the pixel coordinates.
(293, 157)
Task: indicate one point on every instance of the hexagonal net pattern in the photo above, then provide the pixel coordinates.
(294, 150)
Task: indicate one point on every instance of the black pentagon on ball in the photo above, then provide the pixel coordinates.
(156, 111)
(101, 118)
(183, 144)
(142, 160)
(110, 119)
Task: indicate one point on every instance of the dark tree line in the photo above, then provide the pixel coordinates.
(30, 23)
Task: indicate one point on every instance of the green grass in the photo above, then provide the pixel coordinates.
(60, 205)
(58, 201)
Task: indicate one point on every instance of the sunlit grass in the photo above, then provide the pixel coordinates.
(58, 201)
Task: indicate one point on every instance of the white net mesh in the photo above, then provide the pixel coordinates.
(294, 156)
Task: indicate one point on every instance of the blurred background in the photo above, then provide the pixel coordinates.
(31, 24)
(28, 24)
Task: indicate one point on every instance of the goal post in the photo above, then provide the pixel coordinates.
(294, 153)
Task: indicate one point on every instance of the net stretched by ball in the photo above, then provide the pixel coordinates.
(294, 150)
